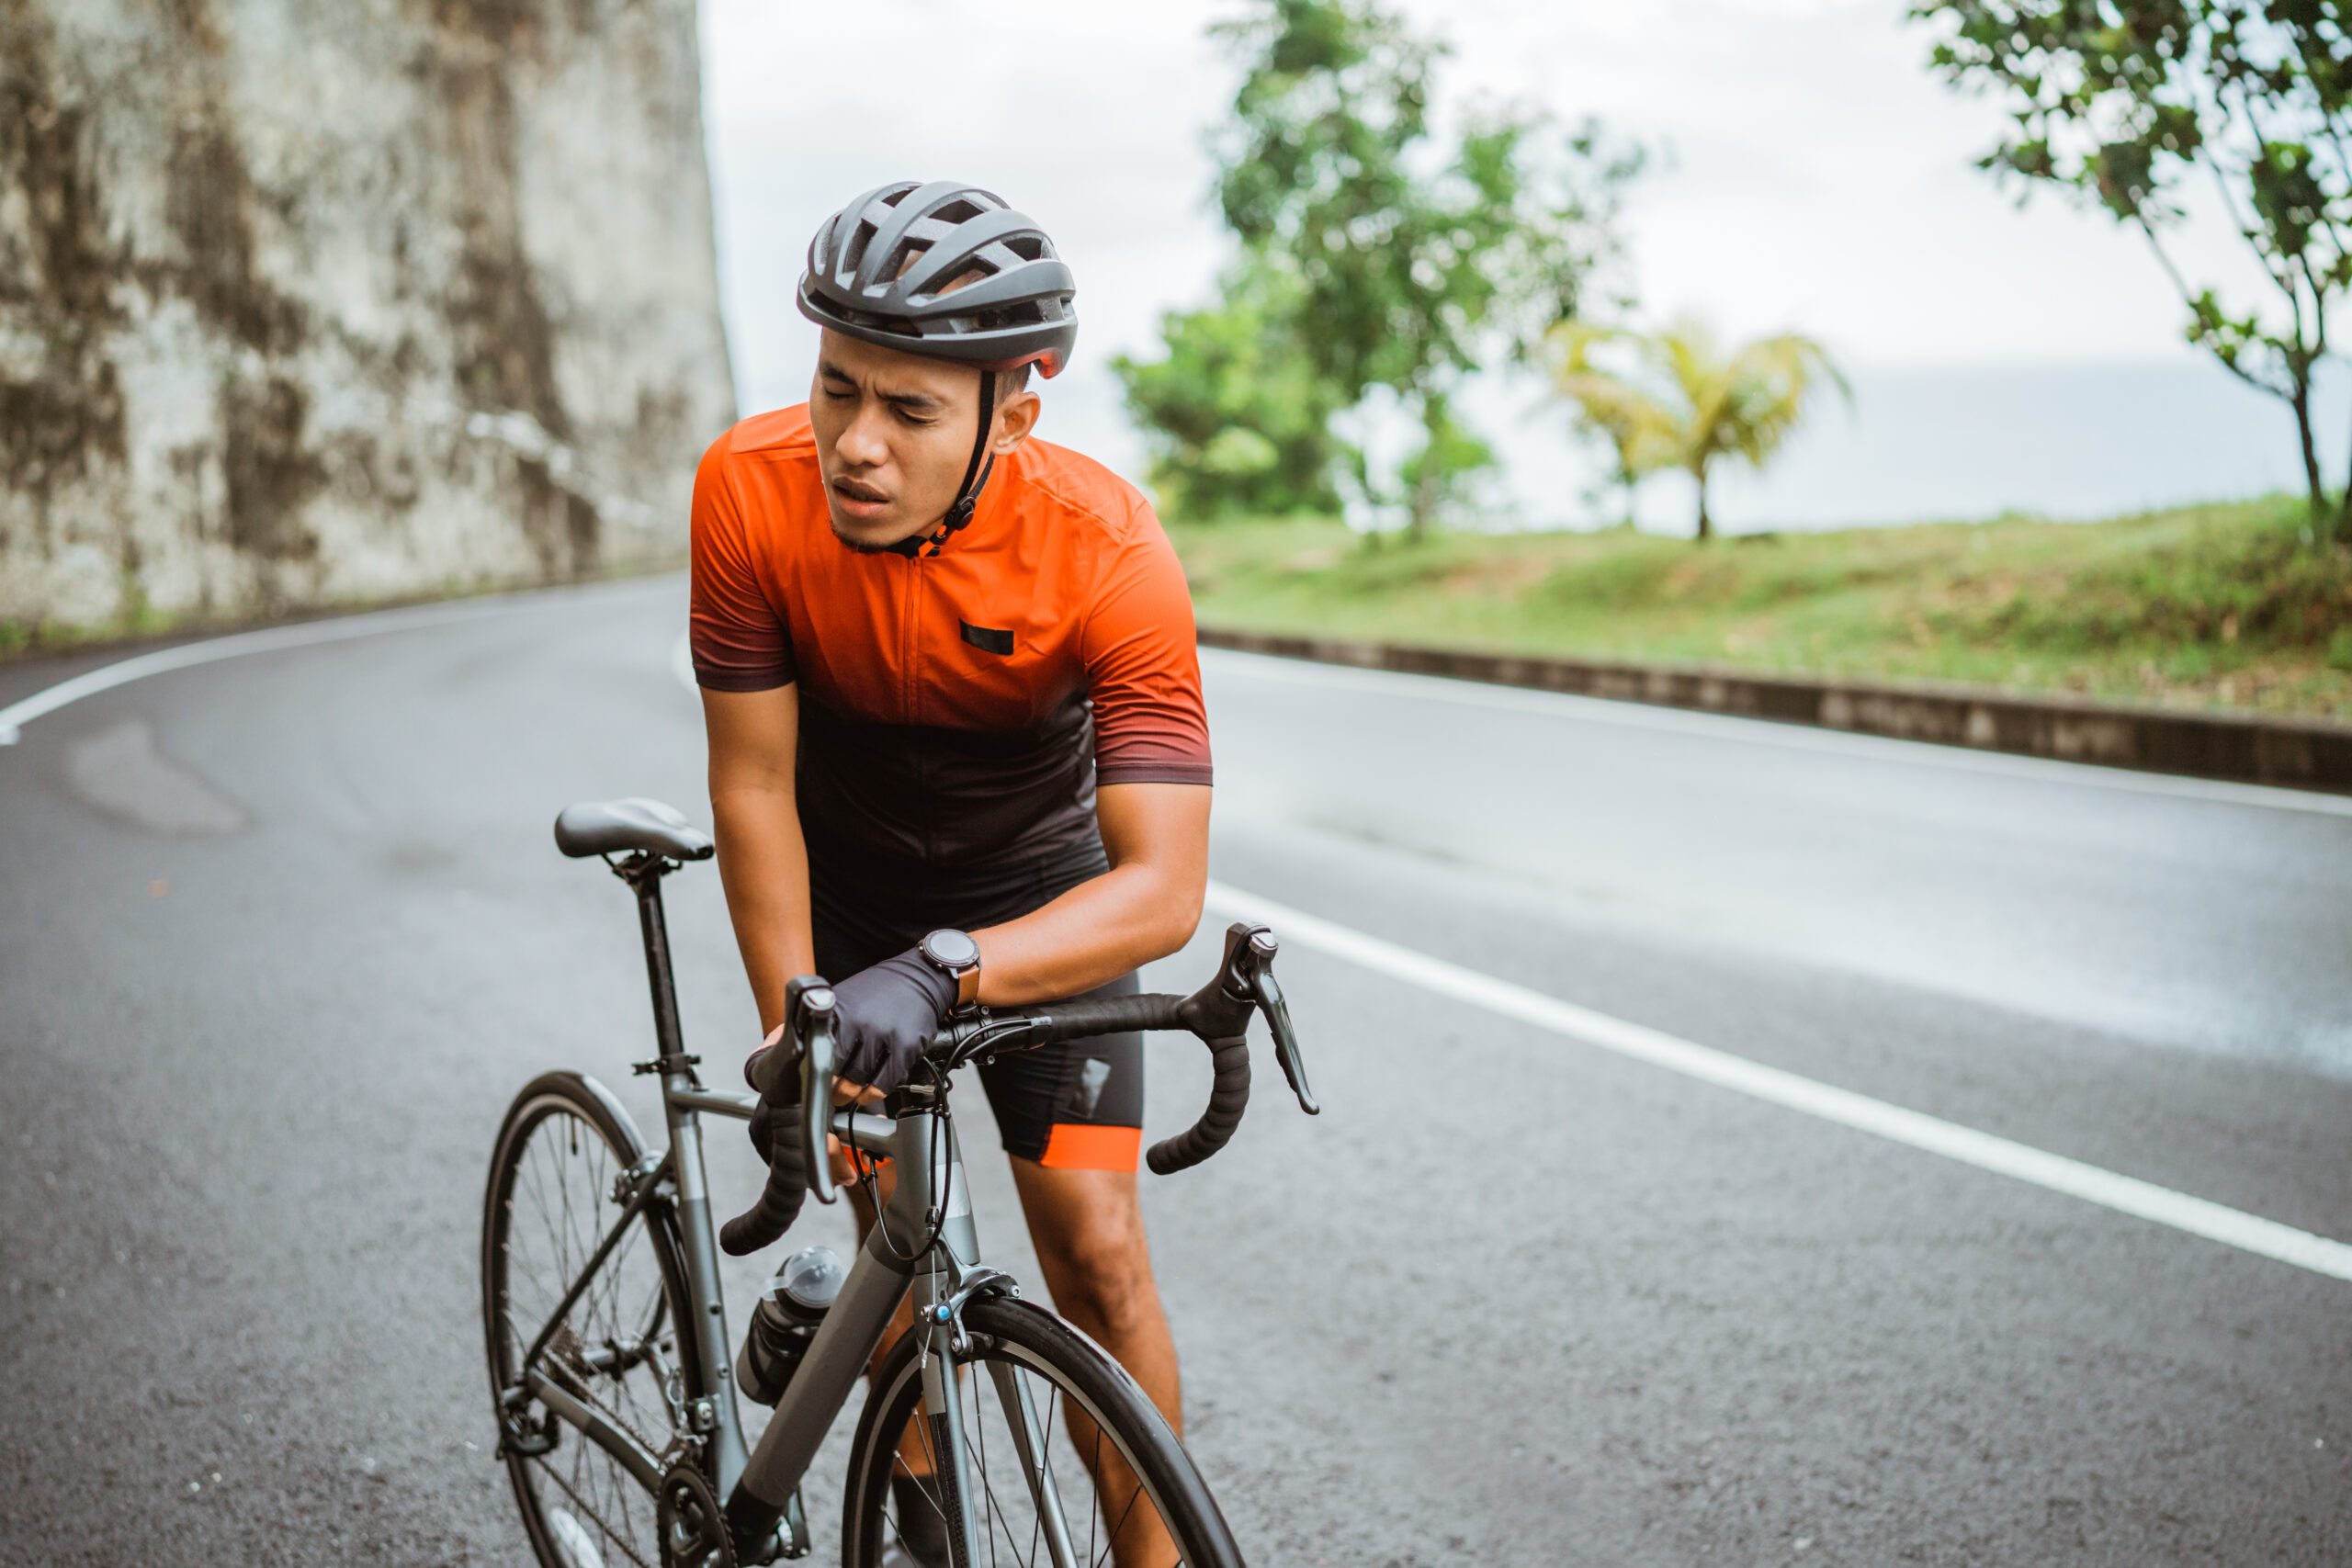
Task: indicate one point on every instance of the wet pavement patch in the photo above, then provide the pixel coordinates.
(120, 772)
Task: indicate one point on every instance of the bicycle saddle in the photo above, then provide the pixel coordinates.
(612, 827)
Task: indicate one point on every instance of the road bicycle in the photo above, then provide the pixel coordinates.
(614, 1393)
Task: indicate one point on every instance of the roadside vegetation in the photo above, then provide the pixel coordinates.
(1385, 254)
(2230, 605)
(2127, 107)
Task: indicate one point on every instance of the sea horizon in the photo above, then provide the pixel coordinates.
(1921, 443)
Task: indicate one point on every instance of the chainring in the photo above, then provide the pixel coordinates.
(692, 1526)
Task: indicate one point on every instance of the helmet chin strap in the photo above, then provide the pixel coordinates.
(968, 495)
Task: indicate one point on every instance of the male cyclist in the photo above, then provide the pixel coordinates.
(958, 752)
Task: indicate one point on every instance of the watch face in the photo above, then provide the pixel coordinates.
(951, 950)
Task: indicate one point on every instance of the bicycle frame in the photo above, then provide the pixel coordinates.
(760, 1486)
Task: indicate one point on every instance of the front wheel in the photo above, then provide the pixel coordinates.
(617, 1360)
(1067, 1462)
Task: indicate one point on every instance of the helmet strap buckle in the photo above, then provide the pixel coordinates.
(976, 476)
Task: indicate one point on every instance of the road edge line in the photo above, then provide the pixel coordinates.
(2002, 1156)
(269, 639)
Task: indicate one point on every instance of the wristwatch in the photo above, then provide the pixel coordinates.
(958, 956)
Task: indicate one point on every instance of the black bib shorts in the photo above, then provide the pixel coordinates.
(1074, 1106)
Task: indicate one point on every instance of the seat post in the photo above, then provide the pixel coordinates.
(644, 874)
(702, 1339)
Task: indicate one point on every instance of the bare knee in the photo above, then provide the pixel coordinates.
(1088, 1228)
(1101, 1272)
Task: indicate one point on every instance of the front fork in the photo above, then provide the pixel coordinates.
(942, 1414)
(947, 1349)
(930, 1196)
(944, 1281)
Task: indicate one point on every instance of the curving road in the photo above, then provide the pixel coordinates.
(280, 934)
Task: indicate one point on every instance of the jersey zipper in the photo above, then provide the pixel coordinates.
(910, 644)
(909, 603)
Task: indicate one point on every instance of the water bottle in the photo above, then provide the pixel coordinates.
(792, 1306)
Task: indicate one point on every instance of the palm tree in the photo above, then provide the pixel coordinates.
(1641, 431)
(1685, 403)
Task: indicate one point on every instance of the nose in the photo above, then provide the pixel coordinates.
(865, 444)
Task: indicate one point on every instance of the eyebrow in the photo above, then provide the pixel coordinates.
(915, 403)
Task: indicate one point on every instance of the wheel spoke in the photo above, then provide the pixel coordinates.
(1025, 1417)
(554, 1209)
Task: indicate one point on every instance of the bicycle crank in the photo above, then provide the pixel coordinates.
(692, 1526)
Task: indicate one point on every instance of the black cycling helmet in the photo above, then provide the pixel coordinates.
(880, 271)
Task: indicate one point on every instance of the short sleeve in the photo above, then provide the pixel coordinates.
(739, 641)
(1143, 667)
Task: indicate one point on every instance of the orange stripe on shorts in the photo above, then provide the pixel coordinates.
(1071, 1145)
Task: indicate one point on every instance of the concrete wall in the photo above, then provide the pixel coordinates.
(314, 301)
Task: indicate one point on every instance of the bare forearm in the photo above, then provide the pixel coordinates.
(1144, 907)
(1092, 934)
(764, 866)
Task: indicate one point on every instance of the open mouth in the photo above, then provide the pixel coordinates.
(862, 498)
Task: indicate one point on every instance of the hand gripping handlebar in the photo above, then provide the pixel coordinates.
(809, 1004)
(1218, 1014)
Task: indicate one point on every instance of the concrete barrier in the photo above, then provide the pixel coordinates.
(2297, 753)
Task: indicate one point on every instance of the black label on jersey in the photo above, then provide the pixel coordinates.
(988, 639)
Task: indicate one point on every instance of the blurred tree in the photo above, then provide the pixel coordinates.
(2119, 100)
(1679, 400)
(1237, 420)
(1641, 431)
(1413, 268)
(1450, 456)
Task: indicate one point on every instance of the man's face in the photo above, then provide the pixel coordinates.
(894, 435)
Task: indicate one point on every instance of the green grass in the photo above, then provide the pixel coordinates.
(2206, 607)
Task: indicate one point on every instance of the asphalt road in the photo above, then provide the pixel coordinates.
(280, 936)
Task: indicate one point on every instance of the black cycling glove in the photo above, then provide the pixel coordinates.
(884, 1016)
(781, 1136)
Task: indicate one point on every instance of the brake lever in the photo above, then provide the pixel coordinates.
(808, 1003)
(1254, 967)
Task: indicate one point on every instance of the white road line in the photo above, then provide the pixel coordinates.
(269, 640)
(2125, 1194)
(1767, 732)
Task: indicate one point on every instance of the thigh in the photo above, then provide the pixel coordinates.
(1076, 1106)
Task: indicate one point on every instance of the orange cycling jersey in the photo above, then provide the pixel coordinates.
(956, 712)
(957, 709)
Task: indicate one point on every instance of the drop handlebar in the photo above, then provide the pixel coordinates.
(1217, 1014)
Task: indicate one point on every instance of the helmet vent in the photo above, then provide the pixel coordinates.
(889, 268)
(861, 234)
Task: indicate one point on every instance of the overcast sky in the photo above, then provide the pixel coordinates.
(1820, 178)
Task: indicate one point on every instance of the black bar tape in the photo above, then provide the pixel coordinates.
(1110, 1015)
(782, 1143)
(1227, 1099)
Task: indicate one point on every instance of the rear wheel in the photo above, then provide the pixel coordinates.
(1113, 1472)
(555, 1188)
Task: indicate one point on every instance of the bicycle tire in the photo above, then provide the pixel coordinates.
(564, 1141)
(1067, 1370)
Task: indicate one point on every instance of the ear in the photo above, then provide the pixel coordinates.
(1016, 416)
